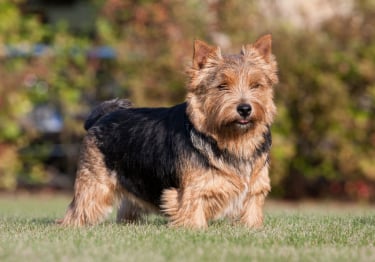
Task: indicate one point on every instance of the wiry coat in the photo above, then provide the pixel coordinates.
(196, 161)
(148, 148)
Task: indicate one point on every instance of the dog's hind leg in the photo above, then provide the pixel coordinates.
(95, 189)
(129, 211)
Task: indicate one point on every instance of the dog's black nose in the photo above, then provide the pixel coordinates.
(244, 110)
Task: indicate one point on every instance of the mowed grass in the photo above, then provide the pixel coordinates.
(292, 232)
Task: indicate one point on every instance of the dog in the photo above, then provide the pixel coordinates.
(198, 161)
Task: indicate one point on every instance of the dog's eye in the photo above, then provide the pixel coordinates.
(256, 85)
(222, 86)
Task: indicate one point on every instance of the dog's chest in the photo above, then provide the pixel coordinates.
(235, 205)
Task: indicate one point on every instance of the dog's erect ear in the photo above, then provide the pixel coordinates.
(204, 53)
(263, 45)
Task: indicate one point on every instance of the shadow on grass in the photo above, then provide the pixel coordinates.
(40, 221)
(152, 220)
(43, 221)
(368, 220)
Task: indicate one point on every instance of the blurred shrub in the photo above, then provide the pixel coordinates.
(61, 80)
(153, 40)
(324, 135)
(328, 92)
(14, 102)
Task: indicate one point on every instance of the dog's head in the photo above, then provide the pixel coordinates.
(232, 94)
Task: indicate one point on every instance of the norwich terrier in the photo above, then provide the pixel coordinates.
(198, 161)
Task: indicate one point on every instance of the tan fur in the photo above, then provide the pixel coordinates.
(237, 190)
(252, 213)
(211, 194)
(96, 191)
(234, 191)
(204, 195)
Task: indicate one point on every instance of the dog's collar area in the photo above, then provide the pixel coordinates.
(207, 145)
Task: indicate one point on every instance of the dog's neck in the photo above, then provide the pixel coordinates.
(241, 154)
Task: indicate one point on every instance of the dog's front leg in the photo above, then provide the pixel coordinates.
(204, 195)
(252, 213)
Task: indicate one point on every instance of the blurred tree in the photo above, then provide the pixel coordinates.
(324, 135)
(14, 103)
(327, 88)
(153, 39)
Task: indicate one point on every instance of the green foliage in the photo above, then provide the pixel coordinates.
(327, 86)
(326, 96)
(60, 77)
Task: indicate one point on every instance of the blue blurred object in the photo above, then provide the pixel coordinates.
(47, 119)
(40, 49)
(101, 52)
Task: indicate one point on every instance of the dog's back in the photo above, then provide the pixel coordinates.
(145, 148)
(105, 108)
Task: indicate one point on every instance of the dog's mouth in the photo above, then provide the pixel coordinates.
(243, 123)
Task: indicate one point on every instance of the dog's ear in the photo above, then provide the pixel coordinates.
(205, 54)
(263, 45)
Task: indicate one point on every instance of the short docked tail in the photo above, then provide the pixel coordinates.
(105, 108)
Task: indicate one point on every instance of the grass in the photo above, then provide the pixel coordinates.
(303, 232)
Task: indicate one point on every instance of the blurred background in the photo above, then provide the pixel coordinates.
(59, 58)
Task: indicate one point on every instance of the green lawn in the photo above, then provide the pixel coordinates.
(303, 232)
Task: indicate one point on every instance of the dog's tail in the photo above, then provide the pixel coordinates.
(105, 108)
